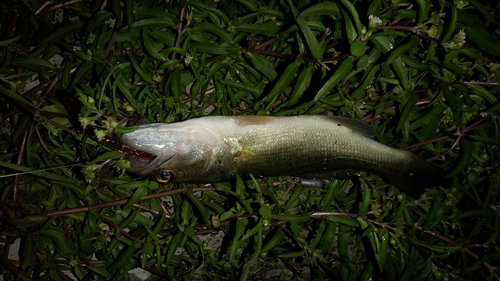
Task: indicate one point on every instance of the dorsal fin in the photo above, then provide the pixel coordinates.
(355, 125)
(246, 120)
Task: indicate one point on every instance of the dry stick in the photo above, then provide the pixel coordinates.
(460, 82)
(120, 229)
(327, 269)
(68, 231)
(457, 134)
(14, 269)
(11, 26)
(290, 187)
(179, 31)
(81, 261)
(118, 24)
(320, 214)
(42, 7)
(265, 44)
(191, 97)
(159, 273)
(426, 99)
(436, 87)
(491, 268)
(58, 6)
(399, 27)
(146, 209)
(480, 83)
(18, 162)
(37, 88)
(218, 276)
(283, 56)
(166, 212)
(124, 201)
(453, 145)
(176, 44)
(103, 5)
(51, 85)
(42, 142)
(293, 269)
(36, 114)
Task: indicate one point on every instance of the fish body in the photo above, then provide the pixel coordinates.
(216, 148)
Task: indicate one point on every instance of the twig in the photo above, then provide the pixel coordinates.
(159, 273)
(51, 86)
(42, 142)
(293, 268)
(280, 55)
(399, 27)
(103, 5)
(120, 229)
(191, 97)
(491, 268)
(481, 83)
(453, 145)
(18, 162)
(14, 269)
(457, 134)
(218, 276)
(149, 210)
(58, 6)
(179, 32)
(265, 44)
(177, 42)
(36, 115)
(116, 27)
(42, 7)
(328, 270)
(321, 214)
(290, 187)
(37, 88)
(460, 82)
(10, 28)
(124, 201)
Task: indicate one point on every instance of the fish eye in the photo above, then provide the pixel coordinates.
(165, 177)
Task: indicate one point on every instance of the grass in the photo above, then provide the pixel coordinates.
(423, 74)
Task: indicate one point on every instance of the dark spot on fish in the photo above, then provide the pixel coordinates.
(338, 124)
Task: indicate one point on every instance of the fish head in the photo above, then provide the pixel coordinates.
(186, 154)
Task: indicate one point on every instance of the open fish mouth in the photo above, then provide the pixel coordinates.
(139, 159)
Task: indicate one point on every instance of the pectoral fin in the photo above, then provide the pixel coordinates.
(355, 125)
(312, 182)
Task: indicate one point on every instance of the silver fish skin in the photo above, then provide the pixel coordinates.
(216, 148)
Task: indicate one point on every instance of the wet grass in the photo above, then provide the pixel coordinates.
(423, 74)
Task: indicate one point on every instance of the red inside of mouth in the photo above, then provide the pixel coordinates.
(118, 145)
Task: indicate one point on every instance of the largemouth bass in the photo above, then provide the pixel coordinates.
(215, 148)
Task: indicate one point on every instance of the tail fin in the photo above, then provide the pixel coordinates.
(418, 175)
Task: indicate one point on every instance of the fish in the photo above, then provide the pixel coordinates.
(217, 148)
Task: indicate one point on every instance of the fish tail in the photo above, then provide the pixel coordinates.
(417, 175)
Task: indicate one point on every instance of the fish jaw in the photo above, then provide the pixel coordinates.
(146, 139)
(190, 152)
